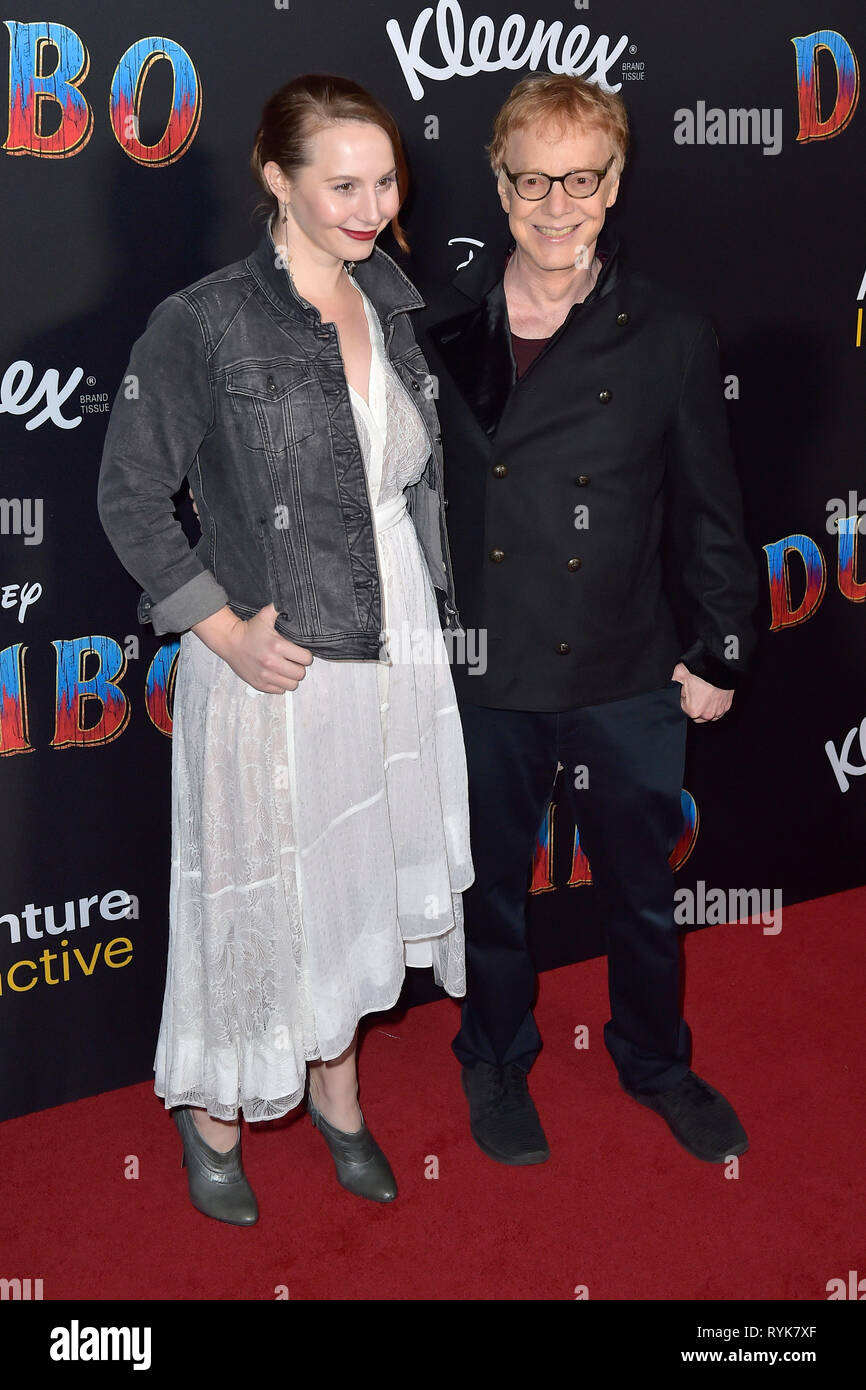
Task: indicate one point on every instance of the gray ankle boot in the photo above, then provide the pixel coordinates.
(217, 1185)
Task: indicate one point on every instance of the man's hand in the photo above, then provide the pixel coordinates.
(702, 702)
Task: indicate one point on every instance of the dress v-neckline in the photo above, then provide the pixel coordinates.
(366, 403)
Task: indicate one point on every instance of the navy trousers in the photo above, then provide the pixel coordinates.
(629, 817)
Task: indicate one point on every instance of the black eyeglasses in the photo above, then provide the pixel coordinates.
(578, 183)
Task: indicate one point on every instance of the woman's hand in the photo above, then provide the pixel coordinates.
(254, 650)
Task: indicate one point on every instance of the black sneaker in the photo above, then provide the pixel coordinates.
(699, 1118)
(502, 1118)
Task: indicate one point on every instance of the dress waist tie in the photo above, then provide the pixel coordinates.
(390, 512)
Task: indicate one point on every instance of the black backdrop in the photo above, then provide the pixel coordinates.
(107, 206)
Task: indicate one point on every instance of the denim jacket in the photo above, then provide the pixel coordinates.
(237, 383)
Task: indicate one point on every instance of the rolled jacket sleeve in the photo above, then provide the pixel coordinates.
(161, 414)
(716, 571)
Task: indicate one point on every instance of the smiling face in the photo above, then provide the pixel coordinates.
(552, 232)
(342, 199)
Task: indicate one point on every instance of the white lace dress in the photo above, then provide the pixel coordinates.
(320, 839)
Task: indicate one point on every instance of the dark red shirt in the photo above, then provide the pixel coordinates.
(526, 350)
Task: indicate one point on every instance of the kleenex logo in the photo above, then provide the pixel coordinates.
(16, 383)
(514, 49)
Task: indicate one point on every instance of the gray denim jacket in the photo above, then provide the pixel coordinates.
(237, 383)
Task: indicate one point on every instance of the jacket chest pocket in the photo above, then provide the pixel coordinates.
(274, 408)
(412, 367)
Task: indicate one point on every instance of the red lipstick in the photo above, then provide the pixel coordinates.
(359, 236)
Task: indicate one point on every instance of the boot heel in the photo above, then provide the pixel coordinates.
(361, 1166)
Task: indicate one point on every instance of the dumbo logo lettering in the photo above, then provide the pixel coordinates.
(546, 43)
(50, 116)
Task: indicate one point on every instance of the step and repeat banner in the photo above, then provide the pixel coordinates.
(125, 176)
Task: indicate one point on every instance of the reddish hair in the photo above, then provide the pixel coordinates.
(308, 104)
(555, 102)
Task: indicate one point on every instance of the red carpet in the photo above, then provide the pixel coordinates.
(620, 1208)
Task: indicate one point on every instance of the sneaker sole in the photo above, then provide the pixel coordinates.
(524, 1160)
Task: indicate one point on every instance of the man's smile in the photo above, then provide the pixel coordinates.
(556, 233)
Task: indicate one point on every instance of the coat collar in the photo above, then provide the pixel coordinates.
(487, 268)
(475, 344)
(379, 277)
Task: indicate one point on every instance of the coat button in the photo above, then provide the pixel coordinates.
(500, 470)
(622, 320)
(438, 439)
(445, 503)
(562, 649)
(581, 480)
(271, 384)
(415, 386)
(497, 556)
(574, 563)
(605, 396)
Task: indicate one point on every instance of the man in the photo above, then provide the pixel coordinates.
(582, 418)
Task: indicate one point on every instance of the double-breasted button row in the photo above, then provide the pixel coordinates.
(497, 556)
(500, 470)
(605, 397)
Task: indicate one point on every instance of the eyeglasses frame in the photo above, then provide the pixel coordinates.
(557, 178)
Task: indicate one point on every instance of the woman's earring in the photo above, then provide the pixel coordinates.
(283, 257)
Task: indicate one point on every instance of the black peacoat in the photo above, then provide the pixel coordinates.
(579, 493)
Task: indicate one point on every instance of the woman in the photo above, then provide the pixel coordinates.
(320, 836)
